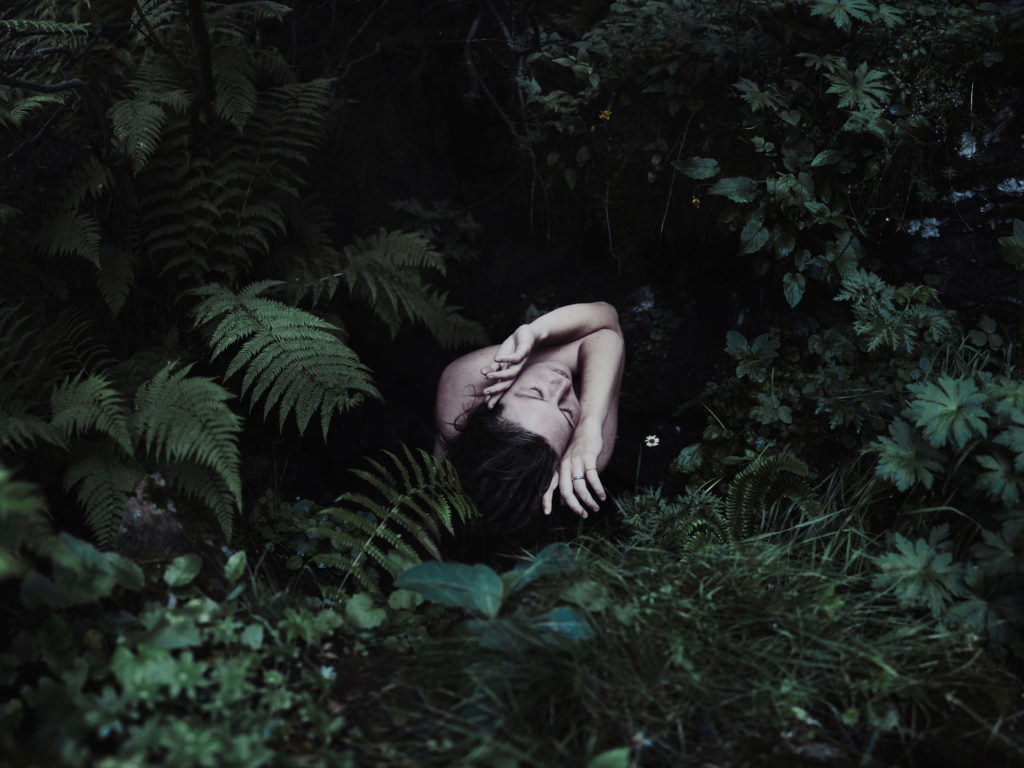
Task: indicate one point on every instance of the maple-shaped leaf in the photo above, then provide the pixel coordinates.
(843, 11)
(1013, 438)
(860, 89)
(751, 93)
(903, 459)
(950, 410)
(999, 480)
(919, 572)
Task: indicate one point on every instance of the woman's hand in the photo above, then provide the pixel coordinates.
(578, 479)
(508, 362)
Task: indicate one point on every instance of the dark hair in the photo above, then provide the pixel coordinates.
(504, 468)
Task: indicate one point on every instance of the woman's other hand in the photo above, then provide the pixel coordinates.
(578, 480)
(508, 362)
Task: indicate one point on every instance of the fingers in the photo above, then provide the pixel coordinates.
(549, 494)
(580, 486)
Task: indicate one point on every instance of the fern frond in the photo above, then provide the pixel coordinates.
(105, 478)
(755, 493)
(137, 123)
(289, 356)
(386, 271)
(235, 98)
(205, 487)
(181, 419)
(115, 276)
(415, 495)
(71, 233)
(20, 429)
(24, 521)
(82, 404)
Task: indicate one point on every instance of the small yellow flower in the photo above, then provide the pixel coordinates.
(695, 201)
(605, 114)
(652, 441)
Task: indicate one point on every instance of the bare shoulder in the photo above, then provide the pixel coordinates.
(459, 389)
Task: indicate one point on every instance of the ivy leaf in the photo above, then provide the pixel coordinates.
(920, 573)
(362, 613)
(953, 410)
(697, 167)
(903, 459)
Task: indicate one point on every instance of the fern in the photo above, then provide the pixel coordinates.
(104, 478)
(386, 271)
(755, 494)
(71, 233)
(24, 521)
(84, 404)
(180, 419)
(415, 496)
(115, 276)
(138, 123)
(289, 356)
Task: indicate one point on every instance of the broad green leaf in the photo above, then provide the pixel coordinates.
(589, 594)
(610, 758)
(739, 189)
(827, 157)
(362, 613)
(182, 570)
(252, 636)
(474, 588)
(235, 566)
(904, 460)
(553, 559)
(564, 620)
(793, 284)
(754, 235)
(697, 167)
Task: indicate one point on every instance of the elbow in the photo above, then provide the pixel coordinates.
(609, 316)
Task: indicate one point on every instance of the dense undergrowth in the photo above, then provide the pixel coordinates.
(830, 572)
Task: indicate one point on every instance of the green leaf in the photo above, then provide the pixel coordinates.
(555, 558)
(362, 613)
(252, 636)
(920, 573)
(697, 167)
(739, 189)
(611, 758)
(475, 588)
(951, 410)
(235, 566)
(591, 595)
(182, 570)
(905, 460)
(827, 157)
(754, 235)
(793, 284)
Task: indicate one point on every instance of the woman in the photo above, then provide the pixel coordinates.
(535, 413)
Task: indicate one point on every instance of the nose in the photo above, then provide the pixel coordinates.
(559, 387)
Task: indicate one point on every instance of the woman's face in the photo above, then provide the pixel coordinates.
(542, 400)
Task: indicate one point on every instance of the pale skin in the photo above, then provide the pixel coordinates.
(532, 373)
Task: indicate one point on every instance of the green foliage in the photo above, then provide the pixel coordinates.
(291, 358)
(920, 572)
(409, 502)
(24, 520)
(755, 495)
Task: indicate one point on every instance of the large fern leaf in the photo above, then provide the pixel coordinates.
(24, 521)
(414, 496)
(755, 494)
(182, 418)
(386, 270)
(288, 356)
(90, 403)
(104, 477)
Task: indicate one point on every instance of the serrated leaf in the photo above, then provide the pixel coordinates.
(949, 410)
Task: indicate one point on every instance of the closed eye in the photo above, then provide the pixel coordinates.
(565, 411)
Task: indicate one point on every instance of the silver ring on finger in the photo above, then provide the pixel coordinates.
(590, 469)
(577, 477)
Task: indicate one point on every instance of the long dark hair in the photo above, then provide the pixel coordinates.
(504, 468)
